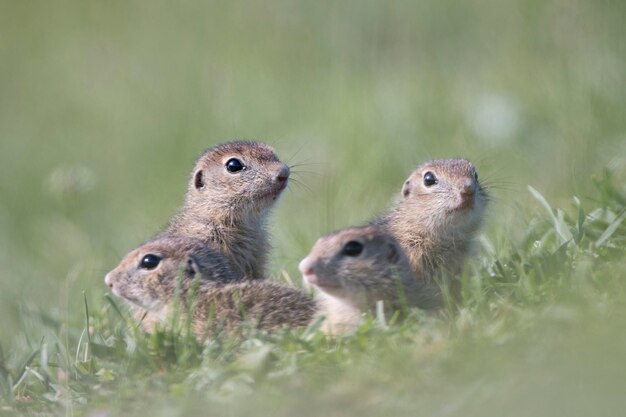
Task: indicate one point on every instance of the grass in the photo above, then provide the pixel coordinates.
(103, 108)
(541, 331)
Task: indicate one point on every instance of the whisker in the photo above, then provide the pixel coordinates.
(494, 178)
(302, 164)
(431, 193)
(305, 172)
(488, 184)
(498, 180)
(512, 190)
(297, 181)
(294, 154)
(501, 187)
(302, 186)
(486, 156)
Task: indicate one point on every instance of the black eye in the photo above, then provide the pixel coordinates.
(475, 176)
(429, 179)
(150, 261)
(352, 248)
(234, 165)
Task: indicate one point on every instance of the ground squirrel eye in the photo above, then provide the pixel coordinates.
(429, 179)
(352, 248)
(475, 176)
(150, 262)
(234, 165)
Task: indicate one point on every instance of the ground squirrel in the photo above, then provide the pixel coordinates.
(231, 190)
(150, 276)
(440, 210)
(354, 268)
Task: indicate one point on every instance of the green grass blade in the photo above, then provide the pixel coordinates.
(559, 224)
(610, 230)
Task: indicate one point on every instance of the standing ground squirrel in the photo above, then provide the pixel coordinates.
(232, 188)
(355, 268)
(150, 276)
(441, 208)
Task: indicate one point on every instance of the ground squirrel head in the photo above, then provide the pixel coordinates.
(149, 275)
(237, 179)
(356, 263)
(444, 197)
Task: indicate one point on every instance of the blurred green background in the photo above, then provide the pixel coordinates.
(104, 107)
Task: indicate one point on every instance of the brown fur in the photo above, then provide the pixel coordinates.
(267, 305)
(351, 285)
(228, 211)
(435, 225)
(220, 303)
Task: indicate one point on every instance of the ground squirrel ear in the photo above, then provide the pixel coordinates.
(191, 268)
(405, 189)
(393, 255)
(198, 180)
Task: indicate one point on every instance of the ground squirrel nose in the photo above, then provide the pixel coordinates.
(306, 267)
(467, 190)
(283, 174)
(467, 196)
(107, 281)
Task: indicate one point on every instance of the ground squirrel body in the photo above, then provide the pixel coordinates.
(355, 268)
(231, 191)
(440, 210)
(150, 277)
